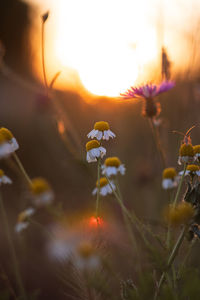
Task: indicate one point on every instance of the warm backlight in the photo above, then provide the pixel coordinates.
(105, 42)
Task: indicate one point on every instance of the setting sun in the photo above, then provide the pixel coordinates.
(106, 45)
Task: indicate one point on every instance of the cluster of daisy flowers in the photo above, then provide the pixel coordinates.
(186, 210)
(40, 191)
(112, 166)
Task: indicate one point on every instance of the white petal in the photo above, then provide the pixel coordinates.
(5, 179)
(91, 134)
(105, 135)
(167, 183)
(122, 169)
(99, 135)
(94, 191)
(21, 226)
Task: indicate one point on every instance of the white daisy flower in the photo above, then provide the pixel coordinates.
(22, 222)
(170, 178)
(191, 170)
(41, 192)
(94, 151)
(197, 152)
(4, 179)
(186, 154)
(113, 166)
(105, 187)
(101, 131)
(12, 143)
(86, 256)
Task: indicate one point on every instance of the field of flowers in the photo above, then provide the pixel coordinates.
(99, 199)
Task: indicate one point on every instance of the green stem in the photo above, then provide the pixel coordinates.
(98, 186)
(12, 251)
(21, 167)
(180, 185)
(171, 259)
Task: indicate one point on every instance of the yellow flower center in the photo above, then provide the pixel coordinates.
(92, 144)
(103, 182)
(86, 249)
(181, 214)
(2, 138)
(196, 149)
(22, 216)
(39, 186)
(186, 150)
(1, 173)
(6, 133)
(193, 168)
(112, 162)
(101, 126)
(169, 173)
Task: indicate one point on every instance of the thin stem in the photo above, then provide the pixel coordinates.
(132, 216)
(180, 185)
(168, 239)
(21, 167)
(12, 250)
(186, 258)
(98, 186)
(158, 143)
(171, 259)
(43, 59)
(126, 217)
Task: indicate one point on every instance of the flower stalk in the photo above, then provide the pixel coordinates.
(171, 259)
(12, 251)
(21, 167)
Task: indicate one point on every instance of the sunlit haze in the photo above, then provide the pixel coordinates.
(110, 44)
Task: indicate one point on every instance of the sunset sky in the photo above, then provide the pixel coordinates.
(108, 45)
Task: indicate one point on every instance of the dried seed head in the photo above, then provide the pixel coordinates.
(151, 109)
(45, 16)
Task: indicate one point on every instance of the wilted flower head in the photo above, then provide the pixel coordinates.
(148, 90)
(41, 192)
(101, 131)
(94, 151)
(113, 166)
(191, 170)
(3, 178)
(105, 187)
(22, 222)
(9, 140)
(179, 214)
(169, 178)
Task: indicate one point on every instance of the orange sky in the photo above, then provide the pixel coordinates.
(109, 45)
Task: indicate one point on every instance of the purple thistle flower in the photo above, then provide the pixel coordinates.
(148, 90)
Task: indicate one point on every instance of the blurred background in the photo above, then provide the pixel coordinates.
(101, 48)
